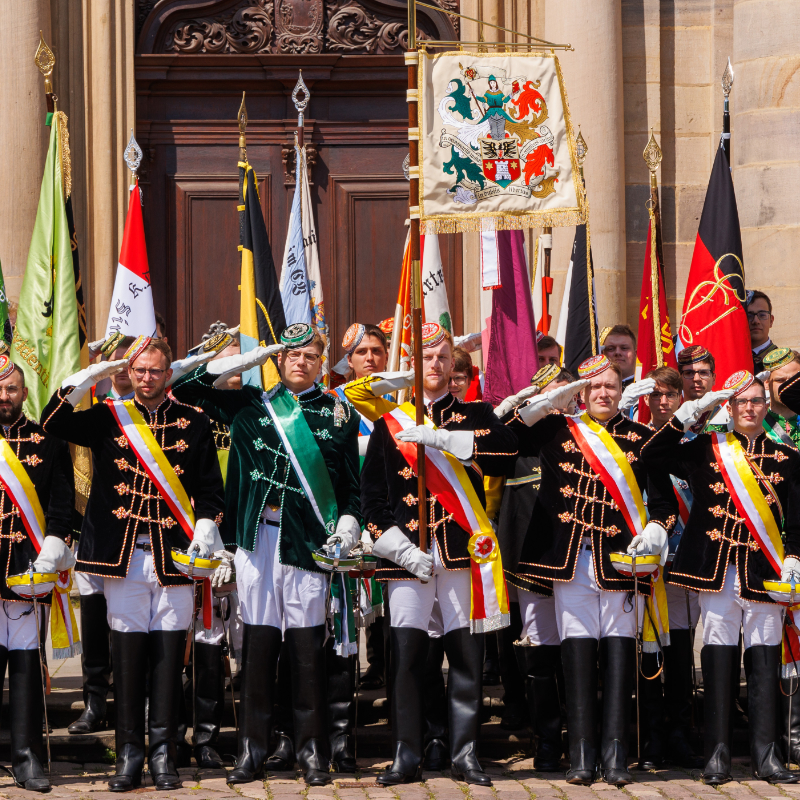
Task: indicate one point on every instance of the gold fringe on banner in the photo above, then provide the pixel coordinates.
(557, 218)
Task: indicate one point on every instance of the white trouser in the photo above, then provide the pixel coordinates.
(18, 625)
(88, 584)
(138, 604)
(676, 606)
(271, 593)
(585, 611)
(436, 624)
(539, 624)
(725, 612)
(411, 602)
(216, 632)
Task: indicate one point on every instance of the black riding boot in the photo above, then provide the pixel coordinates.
(762, 668)
(678, 690)
(130, 679)
(718, 662)
(514, 706)
(651, 707)
(409, 649)
(538, 665)
(791, 735)
(579, 657)
(25, 707)
(618, 671)
(96, 662)
(375, 676)
(341, 702)
(209, 699)
(309, 702)
(282, 758)
(435, 740)
(464, 701)
(166, 649)
(259, 658)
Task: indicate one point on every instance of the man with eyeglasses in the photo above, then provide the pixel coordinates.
(746, 490)
(156, 487)
(760, 320)
(292, 488)
(698, 372)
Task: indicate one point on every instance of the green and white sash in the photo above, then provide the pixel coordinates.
(303, 449)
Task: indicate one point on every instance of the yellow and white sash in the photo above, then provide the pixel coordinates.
(611, 464)
(22, 493)
(448, 481)
(742, 477)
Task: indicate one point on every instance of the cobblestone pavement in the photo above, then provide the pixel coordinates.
(514, 779)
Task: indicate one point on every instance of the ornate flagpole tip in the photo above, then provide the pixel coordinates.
(407, 167)
(581, 148)
(727, 79)
(300, 103)
(133, 154)
(652, 153)
(45, 60)
(242, 117)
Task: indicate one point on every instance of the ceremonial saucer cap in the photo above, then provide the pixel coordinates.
(217, 343)
(6, 366)
(137, 348)
(432, 334)
(545, 375)
(692, 355)
(593, 366)
(352, 337)
(778, 358)
(299, 334)
(387, 326)
(739, 381)
(112, 343)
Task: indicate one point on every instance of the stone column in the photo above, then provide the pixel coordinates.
(766, 143)
(110, 92)
(23, 135)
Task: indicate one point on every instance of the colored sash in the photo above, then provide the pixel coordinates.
(21, 491)
(303, 449)
(684, 497)
(152, 460)
(448, 482)
(611, 464)
(776, 430)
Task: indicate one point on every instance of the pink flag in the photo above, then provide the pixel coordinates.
(512, 359)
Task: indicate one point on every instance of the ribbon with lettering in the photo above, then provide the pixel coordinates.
(448, 481)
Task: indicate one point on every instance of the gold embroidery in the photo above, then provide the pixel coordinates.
(565, 516)
(121, 463)
(406, 472)
(456, 417)
(218, 518)
(482, 432)
(36, 438)
(122, 488)
(178, 469)
(566, 466)
(410, 500)
(779, 456)
(631, 457)
(168, 522)
(718, 487)
(612, 530)
(774, 477)
(122, 441)
(715, 466)
(413, 525)
(569, 447)
(183, 423)
(717, 511)
(32, 461)
(121, 513)
(374, 530)
(567, 491)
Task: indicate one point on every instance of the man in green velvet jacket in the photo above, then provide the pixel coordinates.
(292, 487)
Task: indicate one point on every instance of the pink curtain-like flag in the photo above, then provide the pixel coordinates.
(512, 359)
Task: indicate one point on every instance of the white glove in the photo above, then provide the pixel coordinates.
(555, 400)
(224, 572)
(391, 382)
(183, 366)
(348, 532)
(763, 375)
(366, 542)
(791, 570)
(692, 410)
(513, 400)
(206, 539)
(458, 443)
(241, 362)
(469, 342)
(631, 395)
(94, 347)
(395, 546)
(86, 378)
(54, 556)
(651, 541)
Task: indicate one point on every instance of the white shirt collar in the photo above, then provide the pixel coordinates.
(761, 347)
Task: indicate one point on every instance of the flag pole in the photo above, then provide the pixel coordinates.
(547, 281)
(300, 104)
(652, 157)
(242, 118)
(727, 85)
(133, 159)
(46, 62)
(412, 60)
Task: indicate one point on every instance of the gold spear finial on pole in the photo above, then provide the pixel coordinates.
(242, 117)
(581, 151)
(45, 60)
(652, 157)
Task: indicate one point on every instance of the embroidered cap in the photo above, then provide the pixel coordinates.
(432, 334)
(739, 381)
(539, 336)
(592, 366)
(217, 343)
(778, 358)
(112, 343)
(6, 366)
(297, 335)
(693, 355)
(545, 375)
(387, 326)
(352, 337)
(137, 348)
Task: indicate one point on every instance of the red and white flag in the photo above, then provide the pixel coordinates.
(132, 311)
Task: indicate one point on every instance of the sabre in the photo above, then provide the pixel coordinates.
(328, 611)
(194, 658)
(356, 617)
(226, 653)
(694, 667)
(636, 654)
(42, 671)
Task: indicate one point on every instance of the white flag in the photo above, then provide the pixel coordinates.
(538, 271)
(434, 291)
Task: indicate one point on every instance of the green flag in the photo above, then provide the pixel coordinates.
(45, 343)
(5, 322)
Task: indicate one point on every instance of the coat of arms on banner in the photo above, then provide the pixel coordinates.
(496, 143)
